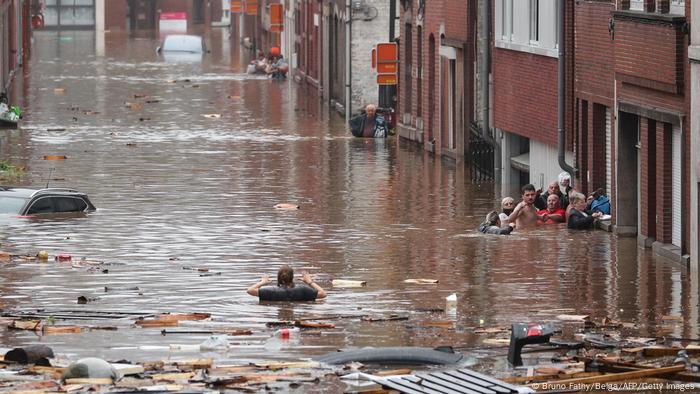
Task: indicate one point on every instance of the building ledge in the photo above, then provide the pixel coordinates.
(535, 50)
(409, 133)
(694, 53)
(670, 252)
(605, 225)
(649, 17)
(625, 231)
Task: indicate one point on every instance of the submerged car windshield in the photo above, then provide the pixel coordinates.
(11, 205)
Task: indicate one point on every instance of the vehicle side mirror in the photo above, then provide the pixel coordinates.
(158, 50)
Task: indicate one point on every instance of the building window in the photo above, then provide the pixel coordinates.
(637, 5)
(678, 7)
(529, 26)
(534, 21)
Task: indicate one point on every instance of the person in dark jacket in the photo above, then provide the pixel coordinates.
(492, 225)
(370, 124)
(286, 290)
(579, 218)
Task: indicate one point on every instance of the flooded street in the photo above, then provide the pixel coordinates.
(178, 191)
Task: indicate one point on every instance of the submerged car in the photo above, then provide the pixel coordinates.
(183, 43)
(39, 201)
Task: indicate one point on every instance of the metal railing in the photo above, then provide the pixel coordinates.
(480, 155)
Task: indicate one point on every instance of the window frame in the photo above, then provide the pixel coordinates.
(637, 5)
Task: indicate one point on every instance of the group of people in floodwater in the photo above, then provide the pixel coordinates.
(560, 203)
(274, 64)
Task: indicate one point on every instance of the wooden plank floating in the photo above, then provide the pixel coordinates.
(183, 316)
(421, 281)
(150, 323)
(348, 283)
(31, 325)
(61, 330)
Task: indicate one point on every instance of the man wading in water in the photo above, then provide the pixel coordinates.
(285, 290)
(525, 214)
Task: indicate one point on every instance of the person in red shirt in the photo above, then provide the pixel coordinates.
(553, 213)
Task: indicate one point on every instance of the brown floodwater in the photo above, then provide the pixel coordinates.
(177, 191)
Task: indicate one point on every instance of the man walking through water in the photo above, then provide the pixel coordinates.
(525, 213)
(369, 124)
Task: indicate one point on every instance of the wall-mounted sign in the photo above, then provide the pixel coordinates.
(276, 17)
(236, 6)
(173, 22)
(251, 7)
(387, 58)
(387, 79)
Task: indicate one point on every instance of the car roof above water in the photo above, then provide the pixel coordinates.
(26, 192)
(183, 43)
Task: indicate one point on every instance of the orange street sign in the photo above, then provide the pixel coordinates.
(374, 58)
(386, 79)
(387, 58)
(276, 14)
(236, 6)
(251, 7)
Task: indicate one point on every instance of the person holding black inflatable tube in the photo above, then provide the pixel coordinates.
(285, 289)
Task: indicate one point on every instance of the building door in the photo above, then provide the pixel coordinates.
(627, 185)
(69, 14)
(676, 183)
(447, 100)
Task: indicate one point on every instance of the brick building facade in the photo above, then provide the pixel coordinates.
(15, 36)
(436, 82)
(627, 101)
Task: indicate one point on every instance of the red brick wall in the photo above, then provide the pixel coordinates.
(648, 54)
(456, 17)
(595, 52)
(652, 71)
(525, 94)
(525, 91)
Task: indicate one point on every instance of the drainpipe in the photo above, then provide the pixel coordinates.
(485, 62)
(561, 102)
(348, 59)
(392, 20)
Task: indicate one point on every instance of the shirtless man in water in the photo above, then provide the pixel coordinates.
(525, 213)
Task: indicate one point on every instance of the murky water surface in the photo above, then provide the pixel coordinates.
(177, 191)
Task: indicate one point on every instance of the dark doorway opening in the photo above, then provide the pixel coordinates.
(198, 11)
(628, 175)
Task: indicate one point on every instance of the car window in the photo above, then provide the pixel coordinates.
(11, 204)
(69, 204)
(40, 205)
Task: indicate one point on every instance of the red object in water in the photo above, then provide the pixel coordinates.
(63, 257)
(275, 51)
(534, 331)
(284, 333)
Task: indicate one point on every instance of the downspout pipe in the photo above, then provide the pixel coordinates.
(348, 60)
(561, 102)
(485, 69)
